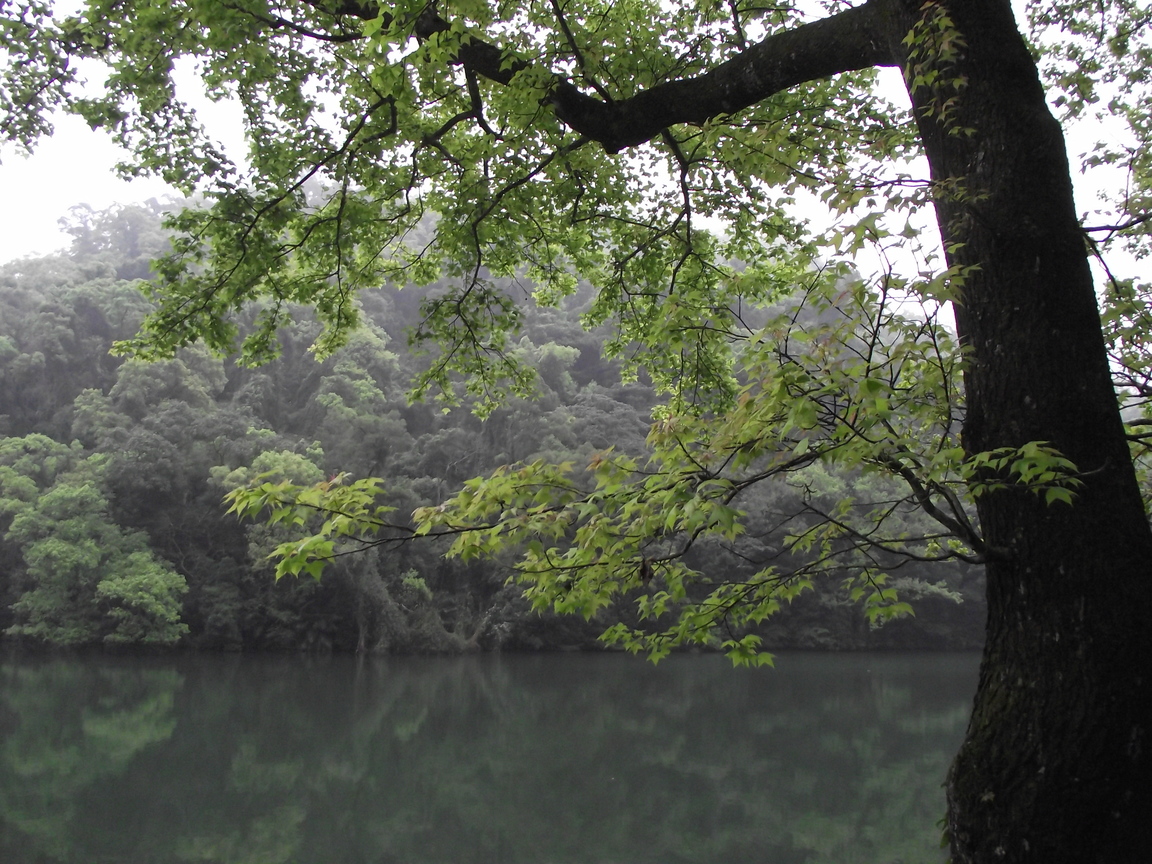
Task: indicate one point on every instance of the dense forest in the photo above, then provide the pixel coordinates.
(113, 527)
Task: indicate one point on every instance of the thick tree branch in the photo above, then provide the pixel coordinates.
(848, 41)
(851, 40)
(475, 55)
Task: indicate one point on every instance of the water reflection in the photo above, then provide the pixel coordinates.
(534, 759)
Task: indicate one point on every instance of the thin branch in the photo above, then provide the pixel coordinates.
(1123, 226)
(741, 41)
(578, 54)
(924, 498)
(869, 542)
(278, 23)
(477, 103)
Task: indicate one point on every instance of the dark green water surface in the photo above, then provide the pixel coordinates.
(581, 759)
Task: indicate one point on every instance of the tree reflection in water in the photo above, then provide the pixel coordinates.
(535, 759)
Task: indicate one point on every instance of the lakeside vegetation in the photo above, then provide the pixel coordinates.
(113, 528)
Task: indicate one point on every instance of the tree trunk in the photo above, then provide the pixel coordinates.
(1055, 765)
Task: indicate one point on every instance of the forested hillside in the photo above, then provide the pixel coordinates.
(113, 528)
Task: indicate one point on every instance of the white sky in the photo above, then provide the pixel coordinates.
(77, 166)
(73, 167)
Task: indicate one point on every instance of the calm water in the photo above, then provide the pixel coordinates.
(581, 759)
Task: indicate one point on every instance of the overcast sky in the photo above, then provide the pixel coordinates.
(74, 167)
(77, 166)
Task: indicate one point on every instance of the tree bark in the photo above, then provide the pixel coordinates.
(1055, 766)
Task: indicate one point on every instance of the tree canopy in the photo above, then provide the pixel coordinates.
(654, 150)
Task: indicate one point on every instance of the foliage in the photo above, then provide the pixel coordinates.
(174, 435)
(855, 388)
(621, 527)
(89, 580)
(345, 505)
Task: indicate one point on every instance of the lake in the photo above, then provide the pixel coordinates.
(521, 759)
